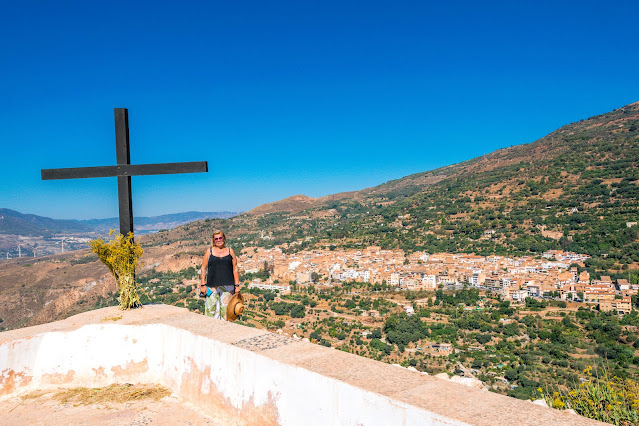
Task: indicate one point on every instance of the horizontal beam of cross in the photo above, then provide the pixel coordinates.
(125, 170)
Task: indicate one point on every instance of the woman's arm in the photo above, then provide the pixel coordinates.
(236, 271)
(205, 264)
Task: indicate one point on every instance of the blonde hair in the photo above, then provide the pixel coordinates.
(216, 233)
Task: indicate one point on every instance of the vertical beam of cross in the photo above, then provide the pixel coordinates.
(123, 157)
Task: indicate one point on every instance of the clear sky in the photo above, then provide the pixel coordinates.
(290, 97)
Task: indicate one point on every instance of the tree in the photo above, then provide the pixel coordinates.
(483, 338)
(404, 329)
(511, 375)
(281, 308)
(567, 323)
(298, 311)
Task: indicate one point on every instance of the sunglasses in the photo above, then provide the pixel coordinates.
(218, 239)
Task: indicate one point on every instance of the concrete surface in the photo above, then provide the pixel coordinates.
(247, 375)
(46, 411)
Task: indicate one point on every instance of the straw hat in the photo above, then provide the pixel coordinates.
(235, 307)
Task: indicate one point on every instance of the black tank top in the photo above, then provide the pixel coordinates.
(219, 270)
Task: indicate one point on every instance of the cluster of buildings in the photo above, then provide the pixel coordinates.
(555, 275)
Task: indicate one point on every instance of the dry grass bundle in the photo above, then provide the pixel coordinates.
(116, 393)
(121, 257)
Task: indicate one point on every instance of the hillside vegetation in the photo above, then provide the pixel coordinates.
(575, 189)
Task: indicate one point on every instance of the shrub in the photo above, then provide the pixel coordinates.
(607, 398)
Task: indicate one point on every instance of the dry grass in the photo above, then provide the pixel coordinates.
(119, 317)
(116, 393)
(34, 395)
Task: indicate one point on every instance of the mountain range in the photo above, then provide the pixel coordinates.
(16, 223)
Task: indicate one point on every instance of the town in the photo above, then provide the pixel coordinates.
(555, 275)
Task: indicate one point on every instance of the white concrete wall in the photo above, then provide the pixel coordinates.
(246, 374)
(209, 373)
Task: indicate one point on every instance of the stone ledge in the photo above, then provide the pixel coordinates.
(254, 375)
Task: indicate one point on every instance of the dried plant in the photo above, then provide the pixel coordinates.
(115, 393)
(121, 257)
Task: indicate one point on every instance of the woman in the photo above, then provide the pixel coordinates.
(220, 278)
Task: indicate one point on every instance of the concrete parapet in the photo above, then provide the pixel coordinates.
(254, 376)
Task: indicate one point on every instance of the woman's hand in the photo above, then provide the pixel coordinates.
(203, 290)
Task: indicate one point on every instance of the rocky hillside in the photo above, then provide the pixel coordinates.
(36, 291)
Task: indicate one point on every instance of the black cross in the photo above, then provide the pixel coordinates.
(124, 170)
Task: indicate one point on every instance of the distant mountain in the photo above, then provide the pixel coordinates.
(576, 189)
(156, 223)
(16, 223)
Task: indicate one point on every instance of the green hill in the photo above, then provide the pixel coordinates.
(575, 189)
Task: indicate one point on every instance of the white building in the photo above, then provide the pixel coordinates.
(429, 281)
(272, 287)
(519, 295)
(395, 279)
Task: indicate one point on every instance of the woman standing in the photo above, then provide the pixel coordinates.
(220, 278)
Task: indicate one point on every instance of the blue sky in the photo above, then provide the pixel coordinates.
(290, 97)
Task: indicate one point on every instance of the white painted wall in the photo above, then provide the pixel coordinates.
(206, 372)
